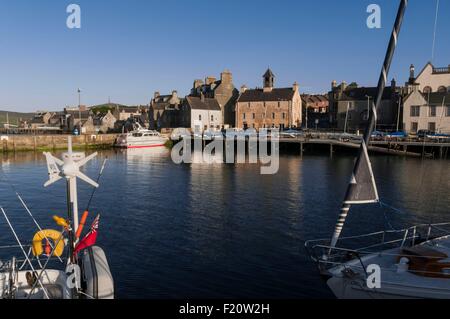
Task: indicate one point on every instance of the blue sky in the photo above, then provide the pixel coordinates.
(127, 49)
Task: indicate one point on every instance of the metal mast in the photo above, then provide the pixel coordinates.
(372, 121)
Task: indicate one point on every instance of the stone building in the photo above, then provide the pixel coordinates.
(104, 123)
(429, 80)
(223, 91)
(164, 111)
(201, 113)
(426, 111)
(269, 106)
(315, 110)
(349, 106)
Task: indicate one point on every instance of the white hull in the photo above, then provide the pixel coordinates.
(394, 283)
(141, 139)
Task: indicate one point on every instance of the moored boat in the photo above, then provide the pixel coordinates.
(140, 138)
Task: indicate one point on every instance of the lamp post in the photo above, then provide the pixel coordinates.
(79, 109)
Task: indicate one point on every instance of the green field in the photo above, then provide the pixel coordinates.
(14, 117)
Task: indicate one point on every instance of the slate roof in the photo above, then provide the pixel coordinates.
(258, 95)
(197, 103)
(308, 98)
(360, 93)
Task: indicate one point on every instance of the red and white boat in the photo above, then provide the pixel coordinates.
(141, 138)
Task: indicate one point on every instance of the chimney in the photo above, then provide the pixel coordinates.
(197, 84)
(393, 84)
(210, 80)
(411, 73)
(333, 84)
(243, 88)
(174, 93)
(295, 86)
(156, 95)
(226, 76)
(343, 86)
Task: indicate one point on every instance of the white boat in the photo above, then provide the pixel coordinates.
(58, 264)
(410, 263)
(140, 138)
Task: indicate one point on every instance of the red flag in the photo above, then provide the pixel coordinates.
(90, 238)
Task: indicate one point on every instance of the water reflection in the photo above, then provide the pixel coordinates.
(221, 230)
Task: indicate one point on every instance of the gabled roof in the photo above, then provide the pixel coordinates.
(197, 103)
(258, 95)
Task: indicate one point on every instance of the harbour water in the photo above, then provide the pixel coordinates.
(222, 230)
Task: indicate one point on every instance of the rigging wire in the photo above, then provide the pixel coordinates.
(25, 206)
(434, 31)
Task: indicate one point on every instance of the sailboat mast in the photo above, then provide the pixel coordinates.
(372, 120)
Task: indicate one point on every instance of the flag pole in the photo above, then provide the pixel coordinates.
(372, 117)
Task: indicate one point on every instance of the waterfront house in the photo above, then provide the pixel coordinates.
(426, 111)
(315, 110)
(104, 122)
(431, 79)
(164, 111)
(40, 119)
(223, 91)
(349, 106)
(123, 113)
(201, 113)
(269, 106)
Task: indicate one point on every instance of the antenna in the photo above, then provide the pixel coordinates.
(69, 168)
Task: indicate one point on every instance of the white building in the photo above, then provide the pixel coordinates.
(200, 113)
(426, 111)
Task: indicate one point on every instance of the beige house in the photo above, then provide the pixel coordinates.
(431, 79)
(426, 111)
(269, 106)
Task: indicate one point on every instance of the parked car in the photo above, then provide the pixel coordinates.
(209, 135)
(396, 135)
(424, 133)
(179, 133)
(292, 133)
(377, 135)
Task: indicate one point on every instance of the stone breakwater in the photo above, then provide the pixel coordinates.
(16, 143)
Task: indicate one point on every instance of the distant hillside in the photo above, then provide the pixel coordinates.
(103, 108)
(14, 117)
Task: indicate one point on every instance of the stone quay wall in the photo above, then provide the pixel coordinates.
(13, 143)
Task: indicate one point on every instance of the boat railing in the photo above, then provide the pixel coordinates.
(21, 262)
(356, 247)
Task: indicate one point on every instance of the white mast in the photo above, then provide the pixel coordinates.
(70, 170)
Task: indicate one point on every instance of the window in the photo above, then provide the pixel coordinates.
(432, 126)
(427, 89)
(414, 126)
(199, 117)
(432, 112)
(415, 110)
(243, 116)
(279, 104)
(212, 117)
(284, 115)
(442, 89)
(253, 115)
(273, 115)
(448, 110)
